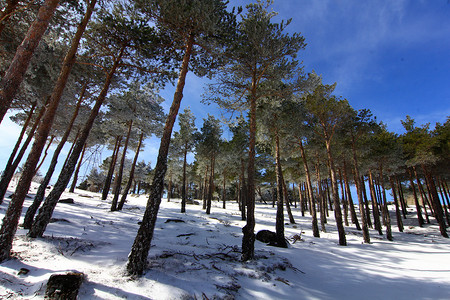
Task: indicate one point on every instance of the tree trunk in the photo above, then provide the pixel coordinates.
(286, 200)
(224, 191)
(77, 170)
(248, 239)
(50, 141)
(435, 202)
(8, 173)
(358, 184)
(183, 186)
(315, 226)
(301, 199)
(131, 176)
(421, 195)
(397, 209)
(344, 199)
(350, 199)
(401, 197)
(10, 83)
(119, 177)
(243, 191)
(211, 185)
(112, 166)
(31, 211)
(385, 207)
(12, 215)
(279, 219)
(139, 251)
(416, 200)
(375, 210)
(46, 211)
(14, 152)
(444, 195)
(366, 202)
(323, 219)
(205, 187)
(6, 14)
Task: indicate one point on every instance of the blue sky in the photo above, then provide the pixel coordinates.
(392, 57)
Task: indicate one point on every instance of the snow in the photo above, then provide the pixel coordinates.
(200, 257)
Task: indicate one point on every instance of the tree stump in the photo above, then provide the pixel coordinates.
(64, 286)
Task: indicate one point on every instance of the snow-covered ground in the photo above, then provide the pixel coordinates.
(199, 258)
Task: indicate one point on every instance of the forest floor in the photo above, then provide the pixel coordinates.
(199, 258)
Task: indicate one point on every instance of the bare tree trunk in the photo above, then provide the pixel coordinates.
(397, 209)
(46, 211)
(31, 211)
(366, 202)
(323, 219)
(10, 161)
(183, 187)
(416, 200)
(422, 195)
(279, 219)
(12, 215)
(205, 187)
(77, 170)
(8, 173)
(224, 191)
(344, 199)
(10, 83)
(112, 166)
(50, 141)
(243, 192)
(375, 209)
(385, 207)
(350, 199)
(401, 197)
(443, 201)
(211, 186)
(315, 226)
(435, 202)
(301, 199)
(288, 204)
(131, 176)
(139, 251)
(119, 177)
(248, 239)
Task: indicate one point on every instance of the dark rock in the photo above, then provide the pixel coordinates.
(174, 221)
(23, 271)
(266, 236)
(67, 200)
(64, 286)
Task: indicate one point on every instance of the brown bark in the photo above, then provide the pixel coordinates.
(422, 195)
(375, 209)
(350, 199)
(13, 161)
(224, 191)
(248, 239)
(243, 191)
(315, 226)
(279, 219)
(397, 209)
(323, 219)
(77, 170)
(401, 197)
(112, 166)
(120, 175)
(9, 85)
(46, 211)
(288, 204)
(133, 167)
(45, 153)
(139, 251)
(416, 200)
(385, 207)
(437, 207)
(344, 198)
(31, 211)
